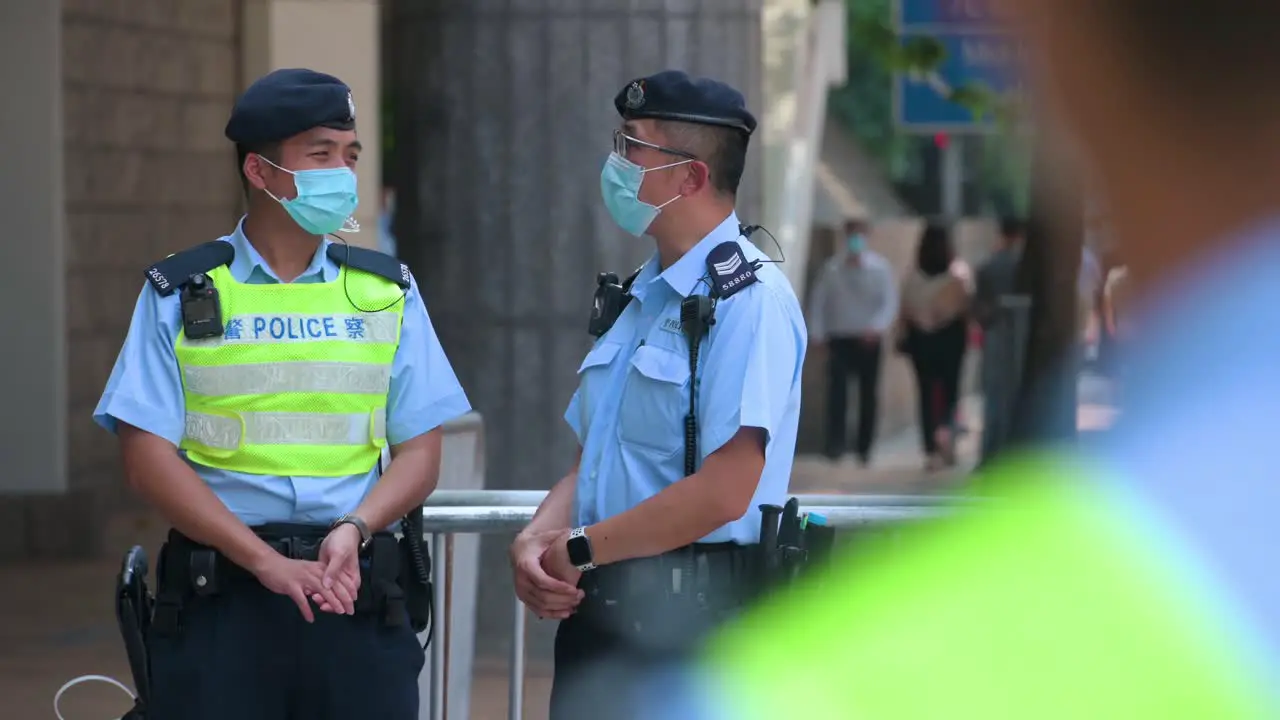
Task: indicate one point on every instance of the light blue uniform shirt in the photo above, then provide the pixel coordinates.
(633, 387)
(145, 391)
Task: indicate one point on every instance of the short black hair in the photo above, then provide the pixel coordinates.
(723, 149)
(935, 254)
(270, 151)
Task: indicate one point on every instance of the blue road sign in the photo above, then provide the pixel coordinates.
(989, 58)
(945, 14)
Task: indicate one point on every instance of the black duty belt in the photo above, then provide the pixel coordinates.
(673, 598)
(188, 569)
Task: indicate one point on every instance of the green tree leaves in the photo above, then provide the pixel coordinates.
(865, 104)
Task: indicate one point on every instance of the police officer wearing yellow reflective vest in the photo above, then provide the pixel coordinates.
(262, 376)
(686, 409)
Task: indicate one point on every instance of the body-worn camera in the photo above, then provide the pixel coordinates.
(201, 308)
(610, 300)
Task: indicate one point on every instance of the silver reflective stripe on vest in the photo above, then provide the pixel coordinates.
(272, 378)
(284, 428)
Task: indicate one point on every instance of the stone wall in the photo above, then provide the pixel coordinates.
(147, 87)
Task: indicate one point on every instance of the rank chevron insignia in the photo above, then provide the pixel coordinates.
(728, 266)
(729, 270)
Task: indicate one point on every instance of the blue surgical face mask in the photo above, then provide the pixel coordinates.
(620, 186)
(326, 198)
(856, 243)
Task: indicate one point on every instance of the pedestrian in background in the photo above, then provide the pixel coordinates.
(998, 273)
(386, 221)
(1088, 299)
(996, 276)
(932, 330)
(1117, 314)
(852, 306)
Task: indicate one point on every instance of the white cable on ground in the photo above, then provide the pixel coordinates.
(84, 679)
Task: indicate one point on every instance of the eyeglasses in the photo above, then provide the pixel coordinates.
(623, 142)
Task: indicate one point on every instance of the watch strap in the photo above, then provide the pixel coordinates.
(580, 551)
(359, 524)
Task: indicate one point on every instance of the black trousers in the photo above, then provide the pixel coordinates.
(248, 654)
(601, 674)
(634, 631)
(845, 357)
(937, 358)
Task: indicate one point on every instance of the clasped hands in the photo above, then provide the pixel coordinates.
(546, 582)
(332, 581)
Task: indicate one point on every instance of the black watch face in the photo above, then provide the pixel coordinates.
(579, 550)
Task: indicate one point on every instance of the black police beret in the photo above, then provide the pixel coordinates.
(674, 95)
(286, 102)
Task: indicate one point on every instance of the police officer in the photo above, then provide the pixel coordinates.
(636, 552)
(261, 378)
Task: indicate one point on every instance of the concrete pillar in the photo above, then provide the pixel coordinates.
(33, 444)
(504, 115)
(340, 37)
(784, 30)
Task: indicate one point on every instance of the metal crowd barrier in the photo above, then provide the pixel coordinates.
(453, 514)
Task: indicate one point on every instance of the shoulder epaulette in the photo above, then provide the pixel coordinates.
(729, 269)
(372, 262)
(174, 271)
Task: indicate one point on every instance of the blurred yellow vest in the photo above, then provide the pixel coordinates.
(1052, 603)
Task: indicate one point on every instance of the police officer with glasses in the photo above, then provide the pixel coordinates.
(262, 377)
(685, 413)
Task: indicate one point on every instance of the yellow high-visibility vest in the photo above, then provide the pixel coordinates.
(1057, 602)
(297, 383)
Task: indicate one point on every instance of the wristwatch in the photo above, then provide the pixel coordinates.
(366, 537)
(580, 553)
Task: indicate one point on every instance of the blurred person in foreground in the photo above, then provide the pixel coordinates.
(1138, 582)
(852, 306)
(932, 330)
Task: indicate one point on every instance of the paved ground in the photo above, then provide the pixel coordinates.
(57, 622)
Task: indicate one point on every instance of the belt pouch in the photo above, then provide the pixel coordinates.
(171, 589)
(387, 597)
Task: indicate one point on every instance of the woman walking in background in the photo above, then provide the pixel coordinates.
(932, 331)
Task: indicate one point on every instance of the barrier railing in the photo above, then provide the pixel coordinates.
(468, 512)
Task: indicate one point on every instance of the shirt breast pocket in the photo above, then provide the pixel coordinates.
(593, 379)
(655, 401)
